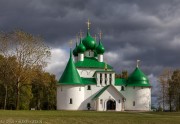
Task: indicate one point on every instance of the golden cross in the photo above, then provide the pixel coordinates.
(80, 34)
(88, 24)
(100, 35)
(77, 37)
(138, 63)
(70, 43)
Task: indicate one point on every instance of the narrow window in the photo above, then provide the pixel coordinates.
(100, 78)
(89, 87)
(110, 82)
(61, 88)
(70, 101)
(119, 101)
(101, 101)
(105, 78)
(133, 103)
(89, 53)
(133, 87)
(122, 88)
(110, 77)
(79, 88)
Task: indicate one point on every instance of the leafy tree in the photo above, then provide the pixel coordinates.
(29, 51)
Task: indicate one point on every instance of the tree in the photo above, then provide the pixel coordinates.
(29, 51)
(175, 89)
(165, 97)
(7, 66)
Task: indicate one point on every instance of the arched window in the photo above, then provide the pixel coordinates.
(88, 106)
(89, 87)
(70, 101)
(122, 88)
(133, 103)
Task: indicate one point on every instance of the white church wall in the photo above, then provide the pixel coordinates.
(89, 94)
(86, 72)
(140, 97)
(80, 56)
(67, 92)
(100, 57)
(109, 94)
(89, 53)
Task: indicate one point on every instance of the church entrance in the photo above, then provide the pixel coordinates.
(111, 105)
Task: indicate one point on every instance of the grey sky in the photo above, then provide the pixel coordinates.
(148, 30)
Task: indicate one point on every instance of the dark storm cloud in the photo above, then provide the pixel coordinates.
(132, 29)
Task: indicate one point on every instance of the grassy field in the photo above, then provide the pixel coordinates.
(87, 117)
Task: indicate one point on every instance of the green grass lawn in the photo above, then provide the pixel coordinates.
(87, 117)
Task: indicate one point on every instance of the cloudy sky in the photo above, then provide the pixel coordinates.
(148, 30)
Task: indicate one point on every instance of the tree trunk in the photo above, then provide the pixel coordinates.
(17, 95)
(5, 99)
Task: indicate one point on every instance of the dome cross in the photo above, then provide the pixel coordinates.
(88, 24)
(81, 33)
(100, 35)
(70, 43)
(138, 61)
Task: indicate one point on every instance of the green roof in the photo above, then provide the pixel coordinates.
(91, 62)
(138, 78)
(120, 81)
(100, 92)
(70, 75)
(88, 81)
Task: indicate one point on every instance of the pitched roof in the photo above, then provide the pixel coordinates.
(100, 92)
(91, 62)
(70, 75)
(104, 89)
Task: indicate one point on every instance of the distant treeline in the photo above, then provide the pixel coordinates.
(23, 82)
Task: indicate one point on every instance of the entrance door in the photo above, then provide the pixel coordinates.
(111, 105)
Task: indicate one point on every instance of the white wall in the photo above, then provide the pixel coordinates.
(89, 53)
(86, 72)
(100, 57)
(142, 98)
(65, 92)
(109, 94)
(80, 56)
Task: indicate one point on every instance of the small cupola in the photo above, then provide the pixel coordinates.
(100, 48)
(89, 42)
(81, 48)
(75, 53)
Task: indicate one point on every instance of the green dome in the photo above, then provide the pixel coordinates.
(81, 48)
(75, 53)
(138, 78)
(100, 48)
(89, 42)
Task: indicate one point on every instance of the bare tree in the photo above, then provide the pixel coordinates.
(165, 96)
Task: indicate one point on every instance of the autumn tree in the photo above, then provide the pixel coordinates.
(29, 51)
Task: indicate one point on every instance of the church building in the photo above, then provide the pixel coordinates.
(89, 83)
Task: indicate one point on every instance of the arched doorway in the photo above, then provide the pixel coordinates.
(111, 105)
